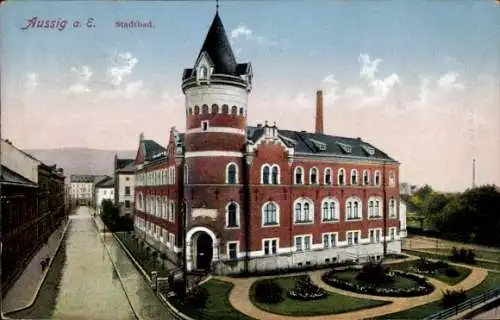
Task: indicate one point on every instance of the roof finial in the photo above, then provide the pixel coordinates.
(217, 6)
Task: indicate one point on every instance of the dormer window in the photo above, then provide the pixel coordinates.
(203, 73)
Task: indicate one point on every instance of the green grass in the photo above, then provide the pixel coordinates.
(217, 306)
(406, 266)
(398, 283)
(480, 254)
(480, 264)
(144, 258)
(334, 303)
(492, 281)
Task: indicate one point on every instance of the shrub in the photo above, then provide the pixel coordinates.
(463, 255)
(442, 264)
(306, 290)
(268, 291)
(451, 272)
(375, 272)
(197, 297)
(452, 298)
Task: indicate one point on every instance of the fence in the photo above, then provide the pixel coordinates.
(466, 305)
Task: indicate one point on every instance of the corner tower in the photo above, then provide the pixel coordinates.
(216, 93)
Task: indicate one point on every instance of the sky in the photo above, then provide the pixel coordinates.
(418, 79)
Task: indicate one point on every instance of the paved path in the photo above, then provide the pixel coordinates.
(24, 291)
(240, 301)
(488, 315)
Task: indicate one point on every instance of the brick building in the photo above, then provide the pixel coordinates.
(260, 197)
(32, 200)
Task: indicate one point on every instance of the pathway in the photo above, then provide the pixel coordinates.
(240, 301)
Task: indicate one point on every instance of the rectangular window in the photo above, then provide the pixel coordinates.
(329, 240)
(378, 234)
(127, 203)
(171, 239)
(303, 243)
(392, 233)
(298, 244)
(232, 250)
(270, 247)
(127, 191)
(372, 236)
(353, 237)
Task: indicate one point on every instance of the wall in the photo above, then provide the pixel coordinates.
(19, 162)
(126, 180)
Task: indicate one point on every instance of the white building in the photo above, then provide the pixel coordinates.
(104, 190)
(124, 185)
(19, 161)
(82, 188)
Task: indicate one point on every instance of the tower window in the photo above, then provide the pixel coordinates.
(204, 109)
(242, 112)
(234, 110)
(204, 125)
(203, 73)
(225, 109)
(215, 109)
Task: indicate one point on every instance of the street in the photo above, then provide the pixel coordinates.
(83, 284)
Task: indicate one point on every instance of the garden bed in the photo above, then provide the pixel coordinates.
(332, 303)
(217, 305)
(441, 273)
(402, 284)
(144, 257)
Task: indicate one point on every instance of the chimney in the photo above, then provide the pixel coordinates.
(319, 111)
(141, 136)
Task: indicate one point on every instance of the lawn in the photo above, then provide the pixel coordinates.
(334, 303)
(398, 283)
(480, 254)
(217, 306)
(406, 266)
(480, 264)
(142, 256)
(492, 281)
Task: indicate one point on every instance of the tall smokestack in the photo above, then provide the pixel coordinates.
(319, 111)
(473, 173)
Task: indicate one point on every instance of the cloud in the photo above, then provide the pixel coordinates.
(331, 93)
(84, 75)
(123, 64)
(131, 90)
(242, 31)
(449, 81)
(31, 81)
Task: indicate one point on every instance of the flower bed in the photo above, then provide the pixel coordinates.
(306, 290)
(422, 287)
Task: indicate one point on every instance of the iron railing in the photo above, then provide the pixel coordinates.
(466, 305)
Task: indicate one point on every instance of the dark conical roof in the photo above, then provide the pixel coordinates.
(218, 48)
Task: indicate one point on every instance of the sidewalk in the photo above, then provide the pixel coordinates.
(24, 291)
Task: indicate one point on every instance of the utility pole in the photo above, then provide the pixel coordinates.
(473, 173)
(384, 193)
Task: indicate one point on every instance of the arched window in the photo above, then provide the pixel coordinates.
(366, 177)
(353, 209)
(313, 176)
(299, 175)
(275, 174)
(234, 110)
(329, 210)
(203, 73)
(270, 214)
(392, 208)
(190, 111)
(204, 109)
(304, 211)
(231, 173)
(341, 177)
(354, 177)
(196, 110)
(377, 178)
(265, 174)
(232, 215)
(242, 112)
(225, 109)
(392, 179)
(328, 176)
(215, 109)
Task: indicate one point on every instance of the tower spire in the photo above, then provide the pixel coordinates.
(217, 6)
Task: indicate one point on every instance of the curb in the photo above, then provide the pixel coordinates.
(63, 235)
(119, 276)
(174, 310)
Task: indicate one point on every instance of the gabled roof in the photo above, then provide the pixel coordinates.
(122, 163)
(107, 182)
(153, 150)
(308, 143)
(9, 177)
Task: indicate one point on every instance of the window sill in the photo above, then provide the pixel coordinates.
(232, 227)
(330, 220)
(353, 219)
(375, 217)
(303, 222)
(270, 225)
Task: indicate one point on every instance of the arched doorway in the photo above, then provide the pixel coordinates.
(204, 251)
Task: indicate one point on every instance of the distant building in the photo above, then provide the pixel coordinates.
(244, 198)
(32, 207)
(124, 178)
(82, 188)
(104, 190)
(407, 189)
